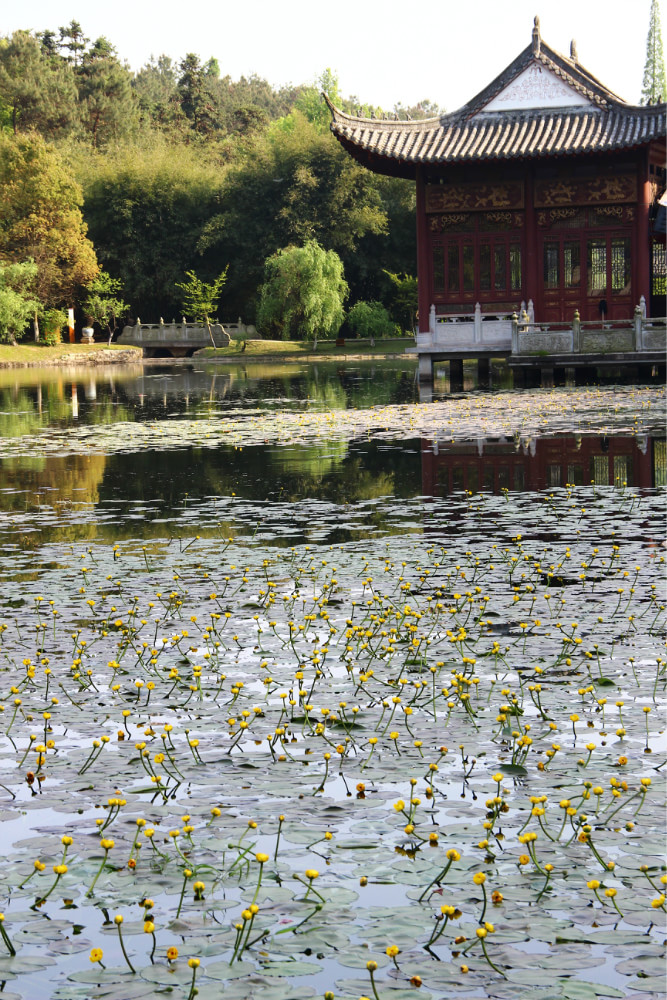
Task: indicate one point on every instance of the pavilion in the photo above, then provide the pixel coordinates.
(540, 192)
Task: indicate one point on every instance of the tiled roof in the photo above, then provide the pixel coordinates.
(602, 123)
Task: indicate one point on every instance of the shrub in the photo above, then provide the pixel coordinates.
(370, 319)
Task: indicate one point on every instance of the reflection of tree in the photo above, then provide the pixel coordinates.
(329, 471)
(52, 481)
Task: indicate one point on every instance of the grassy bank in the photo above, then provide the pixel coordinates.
(39, 354)
(302, 350)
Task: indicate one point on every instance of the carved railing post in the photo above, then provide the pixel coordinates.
(477, 325)
(515, 333)
(576, 332)
(638, 324)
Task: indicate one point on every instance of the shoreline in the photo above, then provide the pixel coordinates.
(96, 357)
(93, 358)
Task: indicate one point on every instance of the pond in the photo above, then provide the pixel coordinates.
(311, 686)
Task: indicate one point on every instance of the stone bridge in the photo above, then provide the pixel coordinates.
(177, 340)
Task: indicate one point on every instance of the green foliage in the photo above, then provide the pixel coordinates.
(53, 321)
(303, 294)
(200, 298)
(404, 299)
(40, 218)
(153, 216)
(103, 302)
(311, 103)
(106, 99)
(189, 169)
(37, 91)
(196, 95)
(17, 299)
(654, 86)
(294, 185)
(370, 319)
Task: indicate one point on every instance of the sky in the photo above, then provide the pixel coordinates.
(383, 52)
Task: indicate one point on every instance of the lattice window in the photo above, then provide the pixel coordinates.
(453, 284)
(551, 265)
(485, 267)
(554, 475)
(572, 264)
(600, 470)
(659, 270)
(468, 268)
(621, 470)
(597, 267)
(660, 462)
(516, 276)
(438, 269)
(621, 270)
(500, 267)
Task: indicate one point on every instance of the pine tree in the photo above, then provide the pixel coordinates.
(654, 88)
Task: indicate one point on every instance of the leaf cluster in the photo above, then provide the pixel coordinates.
(303, 294)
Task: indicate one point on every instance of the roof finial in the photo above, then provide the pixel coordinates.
(574, 56)
(536, 36)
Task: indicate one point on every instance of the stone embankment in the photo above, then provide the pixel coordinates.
(93, 357)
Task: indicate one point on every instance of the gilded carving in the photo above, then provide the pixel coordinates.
(504, 218)
(454, 219)
(474, 197)
(622, 188)
(563, 213)
(611, 211)
(552, 193)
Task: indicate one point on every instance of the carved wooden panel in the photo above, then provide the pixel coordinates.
(586, 191)
(474, 197)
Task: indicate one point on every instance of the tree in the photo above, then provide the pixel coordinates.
(103, 302)
(654, 87)
(196, 96)
(311, 103)
(18, 303)
(200, 298)
(404, 298)
(37, 90)
(73, 40)
(149, 213)
(303, 293)
(108, 103)
(293, 185)
(156, 88)
(370, 319)
(40, 218)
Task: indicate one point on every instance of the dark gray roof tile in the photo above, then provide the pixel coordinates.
(475, 134)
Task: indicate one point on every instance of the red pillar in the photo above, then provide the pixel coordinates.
(532, 284)
(643, 265)
(423, 269)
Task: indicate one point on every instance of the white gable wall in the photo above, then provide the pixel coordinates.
(537, 87)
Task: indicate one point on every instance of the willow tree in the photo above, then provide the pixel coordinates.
(303, 293)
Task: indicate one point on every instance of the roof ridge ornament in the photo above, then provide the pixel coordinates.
(537, 40)
(574, 55)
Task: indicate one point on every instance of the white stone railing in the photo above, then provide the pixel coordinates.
(470, 331)
(601, 336)
(521, 334)
(176, 334)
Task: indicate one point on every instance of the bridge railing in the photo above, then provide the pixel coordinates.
(175, 334)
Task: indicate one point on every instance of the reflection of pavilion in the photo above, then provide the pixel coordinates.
(540, 463)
